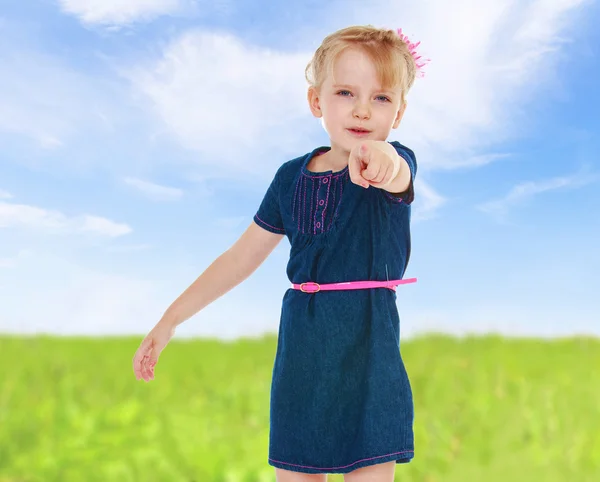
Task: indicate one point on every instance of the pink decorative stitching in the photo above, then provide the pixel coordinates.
(267, 224)
(300, 202)
(343, 466)
(312, 199)
(340, 174)
(304, 208)
(333, 202)
(395, 198)
(294, 205)
(299, 198)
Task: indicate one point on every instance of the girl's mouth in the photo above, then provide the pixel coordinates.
(358, 131)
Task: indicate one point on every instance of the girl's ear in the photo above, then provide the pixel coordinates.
(313, 102)
(399, 115)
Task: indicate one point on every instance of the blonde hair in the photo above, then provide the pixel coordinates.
(391, 56)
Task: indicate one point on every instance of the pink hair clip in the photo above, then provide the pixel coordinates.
(421, 62)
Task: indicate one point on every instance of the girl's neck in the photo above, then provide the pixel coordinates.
(333, 160)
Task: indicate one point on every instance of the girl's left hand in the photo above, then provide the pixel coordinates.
(370, 166)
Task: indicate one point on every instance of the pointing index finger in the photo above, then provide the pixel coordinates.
(355, 166)
(372, 170)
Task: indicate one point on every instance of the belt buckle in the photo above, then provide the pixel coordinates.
(310, 283)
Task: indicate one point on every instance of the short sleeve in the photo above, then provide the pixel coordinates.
(268, 215)
(408, 196)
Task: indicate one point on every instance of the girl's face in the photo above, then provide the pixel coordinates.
(355, 107)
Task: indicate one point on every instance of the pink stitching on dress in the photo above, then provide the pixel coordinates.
(312, 199)
(343, 466)
(308, 222)
(294, 205)
(337, 182)
(304, 208)
(341, 173)
(395, 198)
(267, 224)
(299, 199)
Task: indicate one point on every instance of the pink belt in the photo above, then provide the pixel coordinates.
(311, 287)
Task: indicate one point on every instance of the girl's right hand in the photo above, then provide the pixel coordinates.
(146, 357)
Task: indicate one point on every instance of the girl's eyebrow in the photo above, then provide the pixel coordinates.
(346, 86)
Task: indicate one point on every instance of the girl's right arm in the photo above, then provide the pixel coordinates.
(226, 272)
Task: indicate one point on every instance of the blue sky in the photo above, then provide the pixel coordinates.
(137, 139)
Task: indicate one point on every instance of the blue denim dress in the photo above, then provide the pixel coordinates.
(340, 395)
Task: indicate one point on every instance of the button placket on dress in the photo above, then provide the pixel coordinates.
(322, 198)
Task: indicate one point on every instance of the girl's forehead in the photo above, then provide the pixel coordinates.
(353, 65)
(352, 56)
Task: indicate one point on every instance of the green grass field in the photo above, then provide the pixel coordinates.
(487, 409)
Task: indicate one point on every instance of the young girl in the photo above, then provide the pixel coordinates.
(341, 400)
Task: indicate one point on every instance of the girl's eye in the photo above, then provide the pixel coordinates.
(346, 93)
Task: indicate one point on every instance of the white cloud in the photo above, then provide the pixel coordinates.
(5, 194)
(11, 262)
(155, 191)
(100, 226)
(526, 190)
(427, 202)
(233, 103)
(32, 217)
(471, 162)
(7, 262)
(56, 111)
(47, 101)
(130, 248)
(119, 12)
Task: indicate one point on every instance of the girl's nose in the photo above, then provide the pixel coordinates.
(361, 111)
